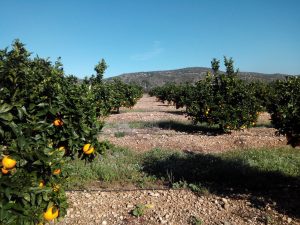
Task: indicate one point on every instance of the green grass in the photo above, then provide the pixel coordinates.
(118, 165)
(256, 168)
(244, 168)
(120, 134)
(180, 126)
(141, 124)
(285, 161)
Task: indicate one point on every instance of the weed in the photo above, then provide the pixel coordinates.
(120, 134)
(139, 210)
(193, 220)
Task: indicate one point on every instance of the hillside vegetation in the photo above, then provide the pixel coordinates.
(151, 79)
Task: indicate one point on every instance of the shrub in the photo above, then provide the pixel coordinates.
(179, 95)
(45, 120)
(224, 100)
(122, 94)
(285, 108)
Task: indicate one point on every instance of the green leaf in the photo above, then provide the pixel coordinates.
(7, 193)
(5, 108)
(26, 196)
(6, 116)
(38, 163)
(21, 142)
(45, 197)
(39, 200)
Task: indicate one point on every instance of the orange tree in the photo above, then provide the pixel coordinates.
(165, 93)
(116, 94)
(46, 119)
(224, 100)
(177, 94)
(284, 108)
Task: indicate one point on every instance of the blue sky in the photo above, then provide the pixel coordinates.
(146, 35)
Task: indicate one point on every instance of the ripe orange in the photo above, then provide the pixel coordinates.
(8, 162)
(4, 170)
(88, 149)
(62, 148)
(41, 184)
(58, 122)
(51, 213)
(56, 171)
(56, 187)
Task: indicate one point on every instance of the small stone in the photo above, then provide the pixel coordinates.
(226, 223)
(104, 222)
(129, 206)
(289, 220)
(224, 200)
(154, 194)
(226, 206)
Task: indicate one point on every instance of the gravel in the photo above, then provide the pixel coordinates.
(165, 207)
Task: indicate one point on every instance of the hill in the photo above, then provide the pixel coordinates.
(152, 79)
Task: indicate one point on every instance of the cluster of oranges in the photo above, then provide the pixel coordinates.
(87, 148)
(8, 164)
(52, 212)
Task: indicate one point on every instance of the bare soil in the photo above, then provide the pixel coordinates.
(171, 130)
(174, 207)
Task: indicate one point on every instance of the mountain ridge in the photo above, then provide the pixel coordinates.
(150, 79)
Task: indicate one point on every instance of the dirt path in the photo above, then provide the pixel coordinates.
(174, 207)
(154, 125)
(151, 124)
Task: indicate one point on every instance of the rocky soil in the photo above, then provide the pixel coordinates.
(170, 130)
(168, 207)
(175, 207)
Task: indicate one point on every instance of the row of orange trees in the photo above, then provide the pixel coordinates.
(46, 120)
(223, 99)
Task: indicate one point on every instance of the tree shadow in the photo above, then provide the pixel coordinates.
(189, 128)
(164, 105)
(228, 177)
(175, 112)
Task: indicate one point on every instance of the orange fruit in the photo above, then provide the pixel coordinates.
(56, 187)
(8, 162)
(41, 184)
(56, 171)
(88, 149)
(4, 170)
(58, 122)
(62, 148)
(51, 213)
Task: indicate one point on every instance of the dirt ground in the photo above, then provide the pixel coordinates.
(168, 128)
(172, 207)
